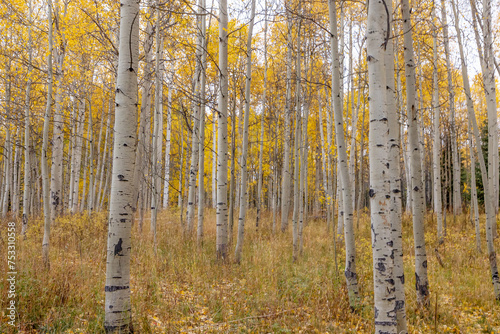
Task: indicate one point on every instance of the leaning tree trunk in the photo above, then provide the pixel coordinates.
(417, 198)
(45, 147)
(244, 150)
(380, 167)
(489, 207)
(350, 264)
(221, 213)
(118, 310)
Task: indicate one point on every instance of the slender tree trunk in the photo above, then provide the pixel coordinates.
(166, 185)
(457, 200)
(394, 176)
(436, 149)
(489, 207)
(285, 183)
(201, 159)
(262, 116)
(421, 282)
(214, 160)
(491, 105)
(157, 128)
(45, 147)
(27, 165)
(221, 213)
(474, 204)
(118, 312)
(350, 264)
(297, 156)
(244, 150)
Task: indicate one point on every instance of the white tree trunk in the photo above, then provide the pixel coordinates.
(45, 147)
(350, 264)
(221, 213)
(214, 160)
(380, 198)
(297, 156)
(489, 207)
(27, 165)
(417, 198)
(491, 105)
(261, 141)
(436, 148)
(244, 150)
(457, 198)
(285, 174)
(394, 176)
(201, 150)
(166, 184)
(118, 310)
(157, 128)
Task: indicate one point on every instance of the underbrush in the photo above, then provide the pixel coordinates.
(183, 288)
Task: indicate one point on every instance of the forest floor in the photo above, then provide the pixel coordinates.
(183, 289)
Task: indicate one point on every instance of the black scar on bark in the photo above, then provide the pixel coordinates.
(113, 288)
(424, 264)
(371, 193)
(121, 177)
(400, 304)
(416, 188)
(380, 266)
(118, 248)
(423, 289)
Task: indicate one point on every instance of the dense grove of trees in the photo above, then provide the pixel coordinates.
(305, 109)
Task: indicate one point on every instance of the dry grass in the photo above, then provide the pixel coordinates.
(184, 289)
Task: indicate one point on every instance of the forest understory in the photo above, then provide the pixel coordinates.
(182, 288)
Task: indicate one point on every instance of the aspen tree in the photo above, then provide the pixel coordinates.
(201, 159)
(244, 149)
(118, 311)
(491, 106)
(417, 198)
(489, 207)
(394, 176)
(45, 147)
(474, 210)
(157, 127)
(27, 167)
(285, 174)
(297, 156)
(143, 142)
(214, 160)
(457, 200)
(436, 148)
(378, 58)
(16, 175)
(350, 264)
(221, 213)
(166, 184)
(262, 116)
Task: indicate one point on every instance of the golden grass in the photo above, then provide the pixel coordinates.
(184, 289)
